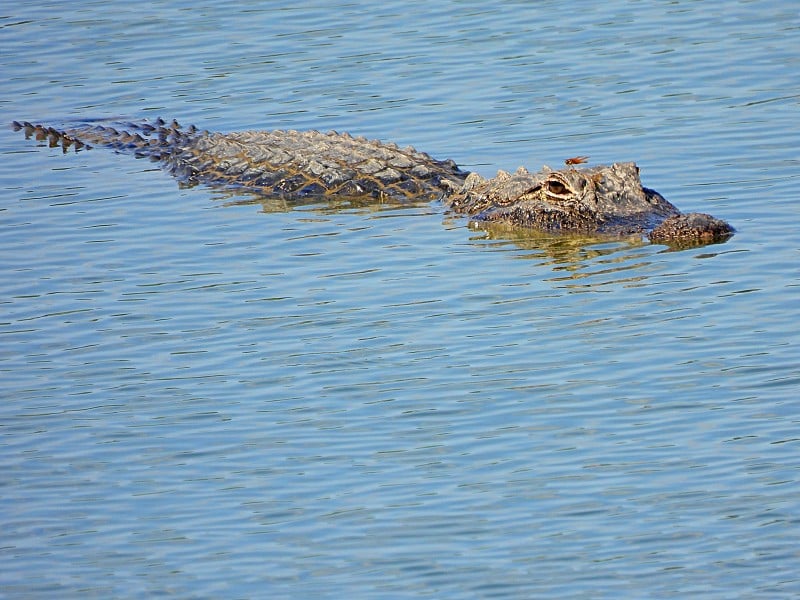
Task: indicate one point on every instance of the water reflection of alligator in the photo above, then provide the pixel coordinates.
(605, 200)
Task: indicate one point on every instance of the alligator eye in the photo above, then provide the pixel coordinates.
(557, 188)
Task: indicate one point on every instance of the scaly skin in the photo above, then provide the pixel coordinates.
(604, 200)
(607, 200)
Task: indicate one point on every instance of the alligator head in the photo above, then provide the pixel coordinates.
(606, 200)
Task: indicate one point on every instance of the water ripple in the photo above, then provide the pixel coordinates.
(210, 396)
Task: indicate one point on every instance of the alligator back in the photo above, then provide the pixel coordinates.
(287, 164)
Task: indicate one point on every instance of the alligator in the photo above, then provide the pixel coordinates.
(598, 200)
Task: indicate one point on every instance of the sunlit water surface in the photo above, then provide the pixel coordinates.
(209, 397)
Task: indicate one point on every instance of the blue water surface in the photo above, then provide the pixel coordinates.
(206, 396)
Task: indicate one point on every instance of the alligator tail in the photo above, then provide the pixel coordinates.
(54, 137)
(155, 140)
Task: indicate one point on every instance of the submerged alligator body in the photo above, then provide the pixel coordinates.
(604, 200)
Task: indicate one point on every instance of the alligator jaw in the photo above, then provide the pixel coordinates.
(691, 229)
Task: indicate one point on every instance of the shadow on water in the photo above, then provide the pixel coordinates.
(583, 262)
(577, 261)
(572, 256)
(327, 206)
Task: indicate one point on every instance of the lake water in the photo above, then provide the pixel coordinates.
(206, 398)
